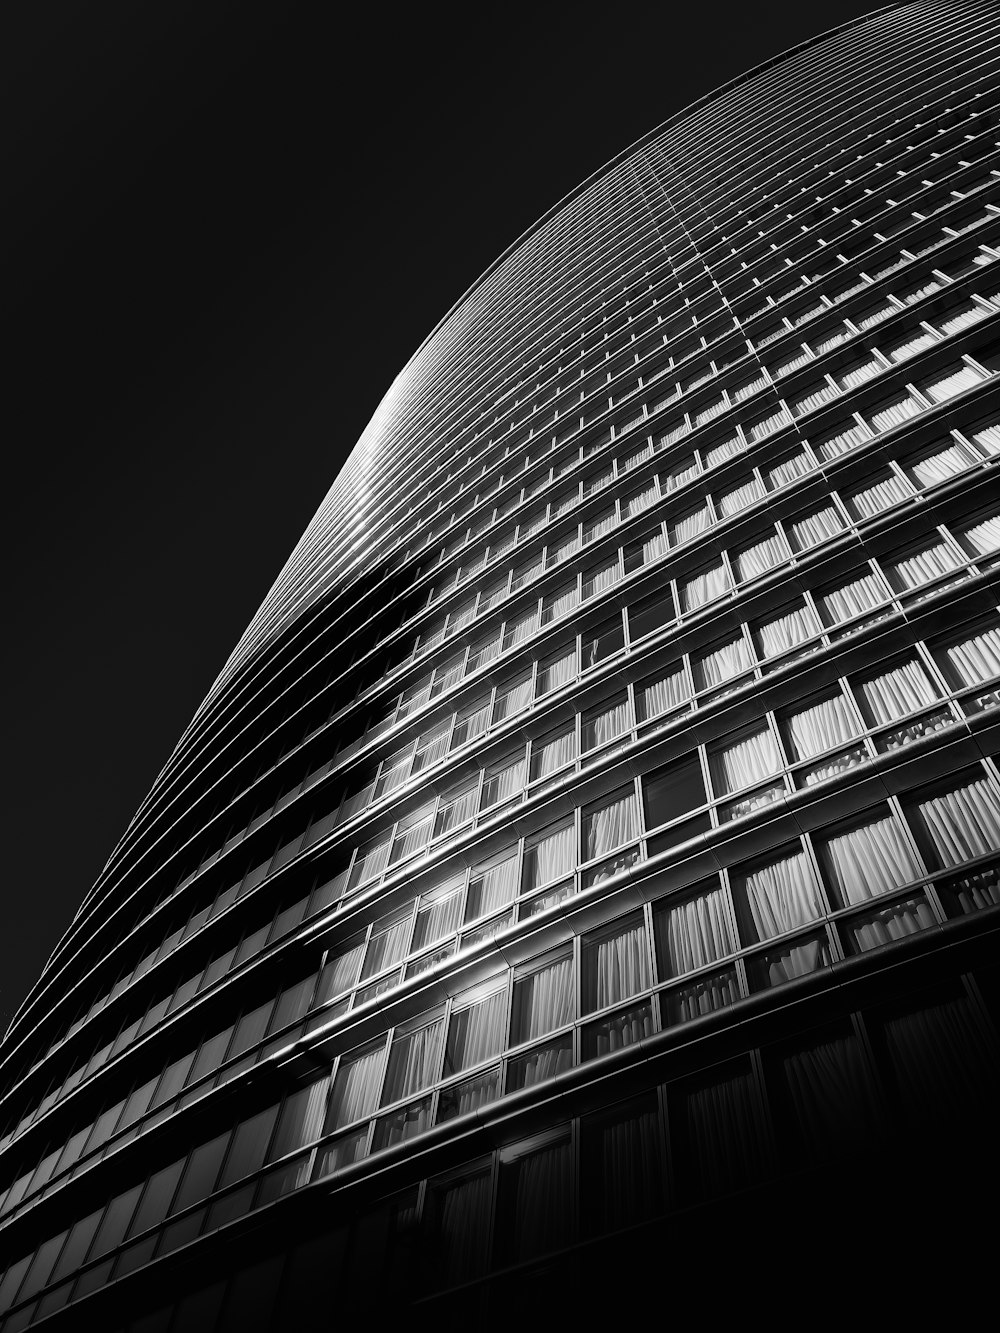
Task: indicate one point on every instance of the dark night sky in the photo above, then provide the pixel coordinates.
(227, 227)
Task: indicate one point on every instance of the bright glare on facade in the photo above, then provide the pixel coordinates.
(582, 881)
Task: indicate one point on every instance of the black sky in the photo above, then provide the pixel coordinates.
(227, 226)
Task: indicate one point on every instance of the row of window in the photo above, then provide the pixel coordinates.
(963, 313)
(724, 360)
(607, 330)
(689, 681)
(828, 874)
(828, 1093)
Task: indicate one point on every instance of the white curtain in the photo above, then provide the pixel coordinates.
(654, 548)
(688, 525)
(859, 373)
(641, 500)
(492, 889)
(749, 388)
(550, 858)
(947, 386)
(815, 528)
(413, 1062)
(684, 471)
(867, 861)
(897, 692)
(843, 441)
(503, 785)
(616, 967)
(605, 726)
(974, 892)
(895, 411)
(431, 747)
(760, 557)
(744, 762)
(597, 581)
(796, 960)
(988, 437)
(924, 565)
(821, 727)
(791, 362)
(438, 916)
(660, 695)
(355, 1088)
(470, 726)
(892, 923)
(852, 599)
(553, 753)
(740, 498)
(796, 465)
(513, 701)
(984, 537)
(559, 603)
(542, 1001)
(387, 946)
(815, 397)
(516, 631)
(769, 424)
(526, 573)
(903, 348)
(370, 862)
(721, 665)
(703, 996)
(787, 631)
(977, 658)
(456, 811)
(414, 836)
(694, 933)
(476, 1032)
(597, 527)
(879, 496)
(463, 1228)
(963, 823)
(717, 454)
(781, 896)
(611, 826)
(556, 671)
(301, 1119)
(340, 974)
(562, 550)
(939, 466)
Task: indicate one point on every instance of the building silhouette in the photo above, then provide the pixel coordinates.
(579, 889)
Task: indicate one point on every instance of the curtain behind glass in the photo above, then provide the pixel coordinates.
(867, 861)
(782, 896)
(821, 727)
(897, 692)
(658, 696)
(710, 583)
(463, 1227)
(626, 1171)
(615, 967)
(939, 1058)
(611, 826)
(475, 1033)
(977, 658)
(922, 566)
(832, 1095)
(787, 631)
(726, 1146)
(539, 1216)
(746, 761)
(693, 933)
(963, 823)
(413, 1062)
(551, 857)
(355, 1087)
(542, 1001)
(721, 665)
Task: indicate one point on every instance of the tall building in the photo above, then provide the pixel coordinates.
(579, 891)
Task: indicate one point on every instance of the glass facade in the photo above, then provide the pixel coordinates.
(592, 847)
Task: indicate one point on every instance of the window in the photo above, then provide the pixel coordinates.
(549, 856)
(504, 781)
(673, 791)
(610, 824)
(757, 559)
(973, 659)
(615, 963)
(867, 859)
(792, 626)
(604, 724)
(597, 645)
(414, 1059)
(776, 895)
(921, 566)
(894, 692)
(704, 587)
(957, 822)
(819, 726)
(721, 664)
(744, 760)
(438, 914)
(492, 885)
(553, 752)
(693, 930)
(662, 693)
(388, 942)
(476, 1028)
(543, 999)
(355, 1087)
(851, 599)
